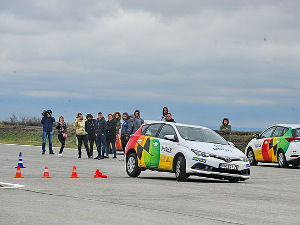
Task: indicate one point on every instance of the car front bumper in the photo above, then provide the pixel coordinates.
(211, 168)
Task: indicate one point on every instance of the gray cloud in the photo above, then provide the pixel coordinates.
(205, 51)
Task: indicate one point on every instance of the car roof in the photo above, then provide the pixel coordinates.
(293, 126)
(179, 124)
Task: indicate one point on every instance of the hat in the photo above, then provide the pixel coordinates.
(89, 116)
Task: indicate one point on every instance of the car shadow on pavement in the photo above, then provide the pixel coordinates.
(189, 180)
(276, 166)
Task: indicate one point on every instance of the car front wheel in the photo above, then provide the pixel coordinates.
(281, 159)
(180, 169)
(251, 157)
(132, 167)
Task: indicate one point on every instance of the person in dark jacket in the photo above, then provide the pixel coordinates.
(117, 118)
(126, 130)
(47, 122)
(111, 135)
(169, 118)
(61, 130)
(90, 124)
(164, 113)
(137, 121)
(100, 130)
(225, 129)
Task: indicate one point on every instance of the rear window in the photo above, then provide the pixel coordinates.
(296, 132)
(144, 128)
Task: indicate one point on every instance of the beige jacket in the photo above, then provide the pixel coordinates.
(80, 126)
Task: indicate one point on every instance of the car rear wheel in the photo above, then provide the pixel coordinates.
(251, 157)
(281, 159)
(132, 167)
(180, 169)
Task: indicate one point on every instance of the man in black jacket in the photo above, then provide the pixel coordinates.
(90, 125)
(100, 130)
(111, 135)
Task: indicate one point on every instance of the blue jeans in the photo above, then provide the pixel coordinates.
(50, 138)
(101, 145)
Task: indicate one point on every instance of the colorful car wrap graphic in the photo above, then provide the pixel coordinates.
(149, 155)
(270, 147)
(199, 159)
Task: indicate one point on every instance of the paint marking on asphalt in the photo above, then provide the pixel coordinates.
(10, 185)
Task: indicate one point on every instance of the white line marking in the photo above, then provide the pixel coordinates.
(9, 185)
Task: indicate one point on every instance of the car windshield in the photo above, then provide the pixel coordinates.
(201, 135)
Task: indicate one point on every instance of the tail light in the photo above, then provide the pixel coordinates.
(291, 139)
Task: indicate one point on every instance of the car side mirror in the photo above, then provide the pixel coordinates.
(256, 136)
(231, 144)
(170, 137)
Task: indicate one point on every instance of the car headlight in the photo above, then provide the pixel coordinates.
(200, 153)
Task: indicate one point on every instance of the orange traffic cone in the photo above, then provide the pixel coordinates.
(46, 173)
(98, 174)
(18, 173)
(74, 173)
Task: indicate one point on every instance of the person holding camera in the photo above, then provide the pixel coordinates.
(62, 135)
(81, 135)
(47, 122)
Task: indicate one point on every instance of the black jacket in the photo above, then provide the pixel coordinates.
(111, 127)
(100, 126)
(90, 126)
(171, 120)
(61, 128)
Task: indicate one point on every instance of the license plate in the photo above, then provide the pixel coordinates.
(229, 166)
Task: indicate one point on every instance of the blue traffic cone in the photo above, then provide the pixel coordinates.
(20, 163)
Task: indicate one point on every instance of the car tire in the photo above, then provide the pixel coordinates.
(282, 163)
(251, 157)
(132, 168)
(180, 169)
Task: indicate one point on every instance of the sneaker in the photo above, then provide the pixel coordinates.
(59, 155)
(43, 152)
(107, 157)
(114, 157)
(51, 153)
(97, 157)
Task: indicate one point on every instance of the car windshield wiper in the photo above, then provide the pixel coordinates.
(190, 139)
(216, 143)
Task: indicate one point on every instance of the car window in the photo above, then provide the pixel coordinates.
(153, 130)
(267, 133)
(296, 132)
(279, 131)
(144, 128)
(167, 130)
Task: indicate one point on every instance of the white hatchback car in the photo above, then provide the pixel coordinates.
(184, 150)
(278, 143)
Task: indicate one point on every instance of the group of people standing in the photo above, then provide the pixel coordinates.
(104, 133)
(90, 131)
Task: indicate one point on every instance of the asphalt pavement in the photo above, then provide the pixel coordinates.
(270, 196)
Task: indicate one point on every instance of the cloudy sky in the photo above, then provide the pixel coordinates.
(205, 60)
